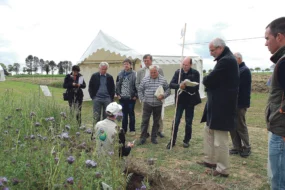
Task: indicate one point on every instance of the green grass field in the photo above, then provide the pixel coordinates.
(177, 168)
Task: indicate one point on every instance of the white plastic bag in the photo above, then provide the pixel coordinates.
(160, 91)
(190, 83)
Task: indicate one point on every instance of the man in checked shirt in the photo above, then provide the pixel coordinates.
(152, 104)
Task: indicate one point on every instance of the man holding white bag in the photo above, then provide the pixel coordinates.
(188, 98)
(152, 103)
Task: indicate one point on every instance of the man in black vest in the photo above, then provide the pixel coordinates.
(187, 99)
(239, 135)
(275, 110)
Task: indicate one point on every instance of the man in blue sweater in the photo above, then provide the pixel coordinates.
(239, 135)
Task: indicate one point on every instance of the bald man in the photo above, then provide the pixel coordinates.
(187, 99)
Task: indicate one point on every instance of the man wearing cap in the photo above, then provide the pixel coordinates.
(106, 131)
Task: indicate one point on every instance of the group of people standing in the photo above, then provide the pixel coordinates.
(228, 89)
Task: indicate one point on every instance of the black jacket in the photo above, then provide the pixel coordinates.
(94, 84)
(185, 97)
(73, 94)
(244, 86)
(222, 93)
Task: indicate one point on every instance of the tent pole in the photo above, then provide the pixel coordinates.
(179, 78)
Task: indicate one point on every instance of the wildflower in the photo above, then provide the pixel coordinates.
(15, 181)
(39, 136)
(44, 138)
(3, 180)
(67, 127)
(37, 124)
(78, 134)
(98, 175)
(63, 114)
(64, 136)
(32, 114)
(70, 159)
(18, 109)
(51, 119)
(5, 188)
(143, 187)
(111, 153)
(32, 137)
(89, 131)
(90, 164)
(5, 132)
(17, 131)
(70, 180)
(56, 159)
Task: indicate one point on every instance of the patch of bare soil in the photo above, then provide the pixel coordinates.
(259, 83)
(163, 179)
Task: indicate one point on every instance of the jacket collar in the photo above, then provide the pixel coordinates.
(278, 54)
(241, 65)
(226, 51)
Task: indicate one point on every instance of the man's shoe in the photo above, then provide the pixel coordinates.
(154, 141)
(160, 134)
(215, 173)
(142, 141)
(186, 145)
(245, 152)
(234, 151)
(169, 144)
(147, 135)
(206, 164)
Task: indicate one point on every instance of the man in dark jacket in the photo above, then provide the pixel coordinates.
(188, 98)
(240, 134)
(101, 90)
(275, 110)
(220, 111)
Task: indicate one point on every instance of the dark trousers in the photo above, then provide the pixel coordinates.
(75, 106)
(189, 114)
(99, 106)
(128, 112)
(240, 134)
(147, 111)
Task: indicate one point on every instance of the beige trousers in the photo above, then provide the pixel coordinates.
(160, 129)
(216, 149)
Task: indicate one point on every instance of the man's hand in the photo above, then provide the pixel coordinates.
(160, 97)
(183, 85)
(130, 144)
(134, 98)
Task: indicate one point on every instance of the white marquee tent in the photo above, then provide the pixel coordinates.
(2, 74)
(106, 48)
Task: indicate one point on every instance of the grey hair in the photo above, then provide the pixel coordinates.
(104, 64)
(218, 42)
(238, 55)
(154, 67)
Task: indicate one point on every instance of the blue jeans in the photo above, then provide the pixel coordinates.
(128, 111)
(189, 114)
(277, 162)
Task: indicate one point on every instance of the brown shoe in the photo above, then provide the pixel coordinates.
(215, 173)
(206, 164)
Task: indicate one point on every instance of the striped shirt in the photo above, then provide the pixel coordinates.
(148, 88)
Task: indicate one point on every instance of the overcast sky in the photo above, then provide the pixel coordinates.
(63, 29)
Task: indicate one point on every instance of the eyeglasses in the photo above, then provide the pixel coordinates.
(212, 50)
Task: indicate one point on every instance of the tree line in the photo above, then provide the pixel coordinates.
(35, 64)
(257, 69)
